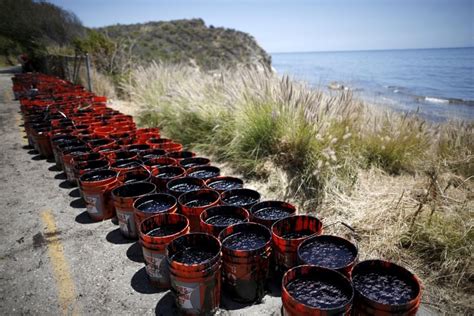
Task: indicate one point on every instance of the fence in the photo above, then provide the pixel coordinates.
(75, 69)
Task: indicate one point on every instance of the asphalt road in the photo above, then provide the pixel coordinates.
(53, 258)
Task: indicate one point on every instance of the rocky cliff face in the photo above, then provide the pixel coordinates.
(190, 41)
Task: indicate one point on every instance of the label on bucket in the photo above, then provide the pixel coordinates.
(188, 295)
(69, 172)
(155, 267)
(126, 222)
(93, 203)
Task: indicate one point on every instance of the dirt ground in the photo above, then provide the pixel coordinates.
(54, 259)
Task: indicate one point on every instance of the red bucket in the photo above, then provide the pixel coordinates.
(330, 252)
(215, 219)
(246, 251)
(268, 212)
(195, 275)
(224, 183)
(309, 290)
(156, 232)
(176, 187)
(384, 288)
(193, 203)
(96, 187)
(288, 233)
(152, 204)
(124, 196)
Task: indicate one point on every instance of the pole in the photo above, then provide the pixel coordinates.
(88, 67)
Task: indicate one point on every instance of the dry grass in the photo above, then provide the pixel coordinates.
(401, 182)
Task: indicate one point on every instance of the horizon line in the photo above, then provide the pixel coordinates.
(366, 50)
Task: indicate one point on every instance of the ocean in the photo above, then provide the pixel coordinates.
(438, 84)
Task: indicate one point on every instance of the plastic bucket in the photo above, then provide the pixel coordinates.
(159, 162)
(68, 161)
(268, 212)
(330, 252)
(137, 175)
(161, 176)
(246, 251)
(59, 140)
(194, 261)
(288, 233)
(156, 232)
(215, 219)
(180, 155)
(138, 148)
(151, 153)
(156, 142)
(88, 166)
(124, 196)
(153, 204)
(204, 172)
(193, 203)
(176, 187)
(224, 183)
(117, 155)
(240, 197)
(194, 162)
(126, 165)
(96, 188)
(309, 290)
(384, 288)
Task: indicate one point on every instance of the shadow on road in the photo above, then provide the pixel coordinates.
(75, 193)
(166, 305)
(116, 237)
(141, 283)
(84, 218)
(135, 253)
(78, 203)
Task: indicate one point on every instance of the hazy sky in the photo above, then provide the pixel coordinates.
(305, 25)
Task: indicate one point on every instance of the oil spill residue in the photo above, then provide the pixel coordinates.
(38, 240)
(316, 293)
(153, 206)
(192, 256)
(271, 213)
(166, 230)
(224, 185)
(297, 234)
(129, 178)
(223, 220)
(185, 187)
(384, 288)
(240, 200)
(245, 241)
(97, 176)
(167, 175)
(204, 174)
(327, 254)
(199, 202)
(126, 164)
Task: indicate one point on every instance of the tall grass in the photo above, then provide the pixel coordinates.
(322, 144)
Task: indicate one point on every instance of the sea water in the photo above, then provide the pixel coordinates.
(436, 83)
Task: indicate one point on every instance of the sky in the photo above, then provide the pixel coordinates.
(304, 25)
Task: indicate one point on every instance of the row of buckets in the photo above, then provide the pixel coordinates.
(202, 233)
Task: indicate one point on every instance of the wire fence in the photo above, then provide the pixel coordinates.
(76, 69)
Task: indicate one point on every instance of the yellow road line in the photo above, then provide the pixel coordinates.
(62, 273)
(18, 122)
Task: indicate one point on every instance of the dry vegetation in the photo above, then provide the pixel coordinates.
(404, 184)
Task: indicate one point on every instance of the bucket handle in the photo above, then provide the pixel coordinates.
(354, 233)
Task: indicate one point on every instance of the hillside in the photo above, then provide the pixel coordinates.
(189, 41)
